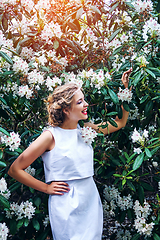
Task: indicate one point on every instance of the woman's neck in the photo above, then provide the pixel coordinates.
(69, 125)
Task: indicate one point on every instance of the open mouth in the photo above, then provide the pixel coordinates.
(84, 111)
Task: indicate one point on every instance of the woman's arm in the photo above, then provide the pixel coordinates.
(120, 122)
(17, 170)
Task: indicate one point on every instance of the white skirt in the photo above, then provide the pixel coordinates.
(78, 214)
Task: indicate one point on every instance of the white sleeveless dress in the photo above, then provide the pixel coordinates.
(78, 214)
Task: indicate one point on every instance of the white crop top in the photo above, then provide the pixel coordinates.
(70, 159)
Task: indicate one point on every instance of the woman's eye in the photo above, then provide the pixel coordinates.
(79, 102)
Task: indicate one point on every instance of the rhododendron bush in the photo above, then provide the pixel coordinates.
(46, 43)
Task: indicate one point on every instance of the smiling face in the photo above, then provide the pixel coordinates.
(78, 110)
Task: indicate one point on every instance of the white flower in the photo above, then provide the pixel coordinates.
(125, 202)
(141, 6)
(136, 136)
(137, 150)
(20, 65)
(155, 164)
(35, 77)
(133, 114)
(30, 170)
(51, 83)
(13, 141)
(142, 212)
(145, 133)
(25, 91)
(13, 210)
(3, 231)
(46, 221)
(143, 227)
(125, 95)
(3, 185)
(26, 210)
(88, 135)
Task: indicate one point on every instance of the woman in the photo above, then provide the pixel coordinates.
(75, 207)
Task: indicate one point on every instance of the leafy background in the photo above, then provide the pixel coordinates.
(92, 42)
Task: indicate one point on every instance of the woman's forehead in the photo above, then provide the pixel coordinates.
(78, 94)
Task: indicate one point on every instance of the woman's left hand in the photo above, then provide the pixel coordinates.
(125, 77)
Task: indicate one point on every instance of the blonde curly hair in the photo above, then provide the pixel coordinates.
(60, 99)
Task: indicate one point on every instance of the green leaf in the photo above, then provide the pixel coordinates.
(156, 236)
(14, 186)
(150, 72)
(20, 223)
(114, 7)
(1, 154)
(147, 186)
(111, 114)
(117, 50)
(123, 182)
(138, 161)
(117, 175)
(3, 164)
(3, 100)
(141, 194)
(114, 34)
(112, 122)
(148, 152)
(126, 106)
(26, 222)
(37, 202)
(4, 131)
(4, 202)
(36, 224)
(131, 186)
(12, 226)
(136, 78)
(44, 235)
(6, 57)
(136, 236)
(113, 96)
(148, 108)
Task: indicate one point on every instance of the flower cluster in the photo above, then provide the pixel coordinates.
(51, 30)
(142, 214)
(52, 83)
(88, 135)
(25, 91)
(137, 137)
(30, 170)
(123, 235)
(13, 141)
(125, 95)
(142, 61)
(114, 199)
(3, 189)
(24, 210)
(20, 65)
(152, 27)
(133, 114)
(3, 231)
(46, 221)
(141, 6)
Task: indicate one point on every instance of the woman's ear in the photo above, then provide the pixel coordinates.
(66, 111)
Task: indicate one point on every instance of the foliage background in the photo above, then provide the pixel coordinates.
(92, 42)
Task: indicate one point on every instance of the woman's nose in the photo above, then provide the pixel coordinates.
(85, 103)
